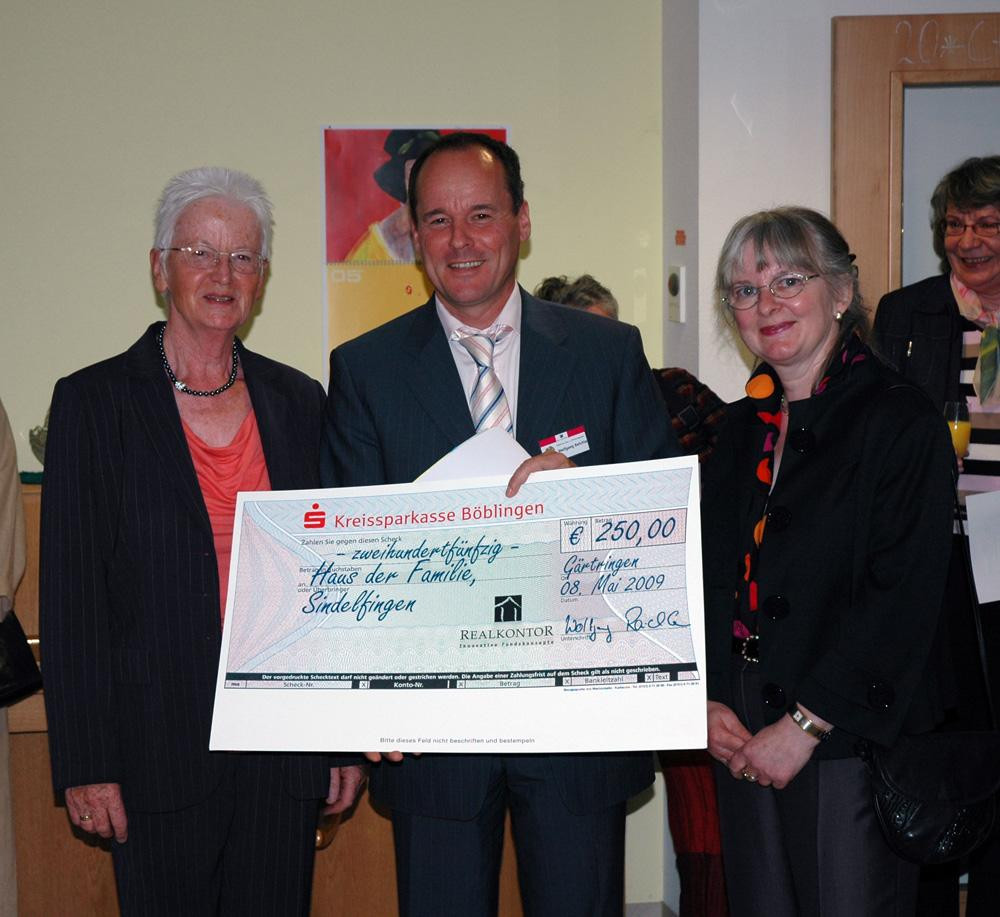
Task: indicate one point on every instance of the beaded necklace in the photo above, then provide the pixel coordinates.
(182, 386)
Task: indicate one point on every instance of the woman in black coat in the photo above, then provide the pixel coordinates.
(934, 332)
(826, 536)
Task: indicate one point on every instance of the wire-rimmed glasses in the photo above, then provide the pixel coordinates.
(203, 257)
(785, 286)
(985, 229)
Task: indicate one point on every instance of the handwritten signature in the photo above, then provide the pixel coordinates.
(589, 628)
(635, 620)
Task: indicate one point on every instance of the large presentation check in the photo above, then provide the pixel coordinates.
(447, 617)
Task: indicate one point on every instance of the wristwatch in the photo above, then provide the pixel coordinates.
(807, 725)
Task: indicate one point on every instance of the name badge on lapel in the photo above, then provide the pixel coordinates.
(569, 442)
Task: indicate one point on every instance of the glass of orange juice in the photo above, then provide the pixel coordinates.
(956, 413)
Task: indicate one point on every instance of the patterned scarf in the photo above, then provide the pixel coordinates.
(765, 391)
(985, 316)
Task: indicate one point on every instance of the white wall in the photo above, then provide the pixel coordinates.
(764, 126)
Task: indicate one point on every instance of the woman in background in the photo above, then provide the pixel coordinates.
(696, 412)
(942, 335)
(826, 528)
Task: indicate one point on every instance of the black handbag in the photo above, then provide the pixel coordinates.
(19, 675)
(935, 795)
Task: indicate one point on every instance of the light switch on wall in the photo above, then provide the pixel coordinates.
(675, 293)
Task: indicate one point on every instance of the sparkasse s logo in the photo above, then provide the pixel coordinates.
(316, 519)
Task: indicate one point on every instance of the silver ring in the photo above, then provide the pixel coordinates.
(750, 778)
(86, 818)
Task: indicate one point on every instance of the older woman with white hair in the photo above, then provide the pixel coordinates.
(146, 452)
(827, 524)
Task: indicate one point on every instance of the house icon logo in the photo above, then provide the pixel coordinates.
(506, 608)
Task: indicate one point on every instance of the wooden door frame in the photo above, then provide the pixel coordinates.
(874, 59)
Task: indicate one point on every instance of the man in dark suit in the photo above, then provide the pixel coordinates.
(401, 397)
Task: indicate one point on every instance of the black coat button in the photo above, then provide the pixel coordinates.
(776, 607)
(802, 440)
(774, 696)
(779, 518)
(880, 695)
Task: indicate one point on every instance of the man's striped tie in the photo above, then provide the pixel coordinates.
(487, 403)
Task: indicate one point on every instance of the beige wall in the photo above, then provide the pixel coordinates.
(102, 102)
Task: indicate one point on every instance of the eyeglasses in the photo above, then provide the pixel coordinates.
(985, 229)
(204, 257)
(785, 286)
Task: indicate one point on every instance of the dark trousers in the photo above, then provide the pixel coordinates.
(568, 865)
(246, 850)
(813, 848)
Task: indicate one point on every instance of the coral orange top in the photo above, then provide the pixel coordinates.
(222, 472)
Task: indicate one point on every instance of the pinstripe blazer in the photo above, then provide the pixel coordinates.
(396, 406)
(130, 620)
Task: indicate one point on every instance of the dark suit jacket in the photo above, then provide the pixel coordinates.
(918, 330)
(396, 406)
(852, 566)
(130, 620)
